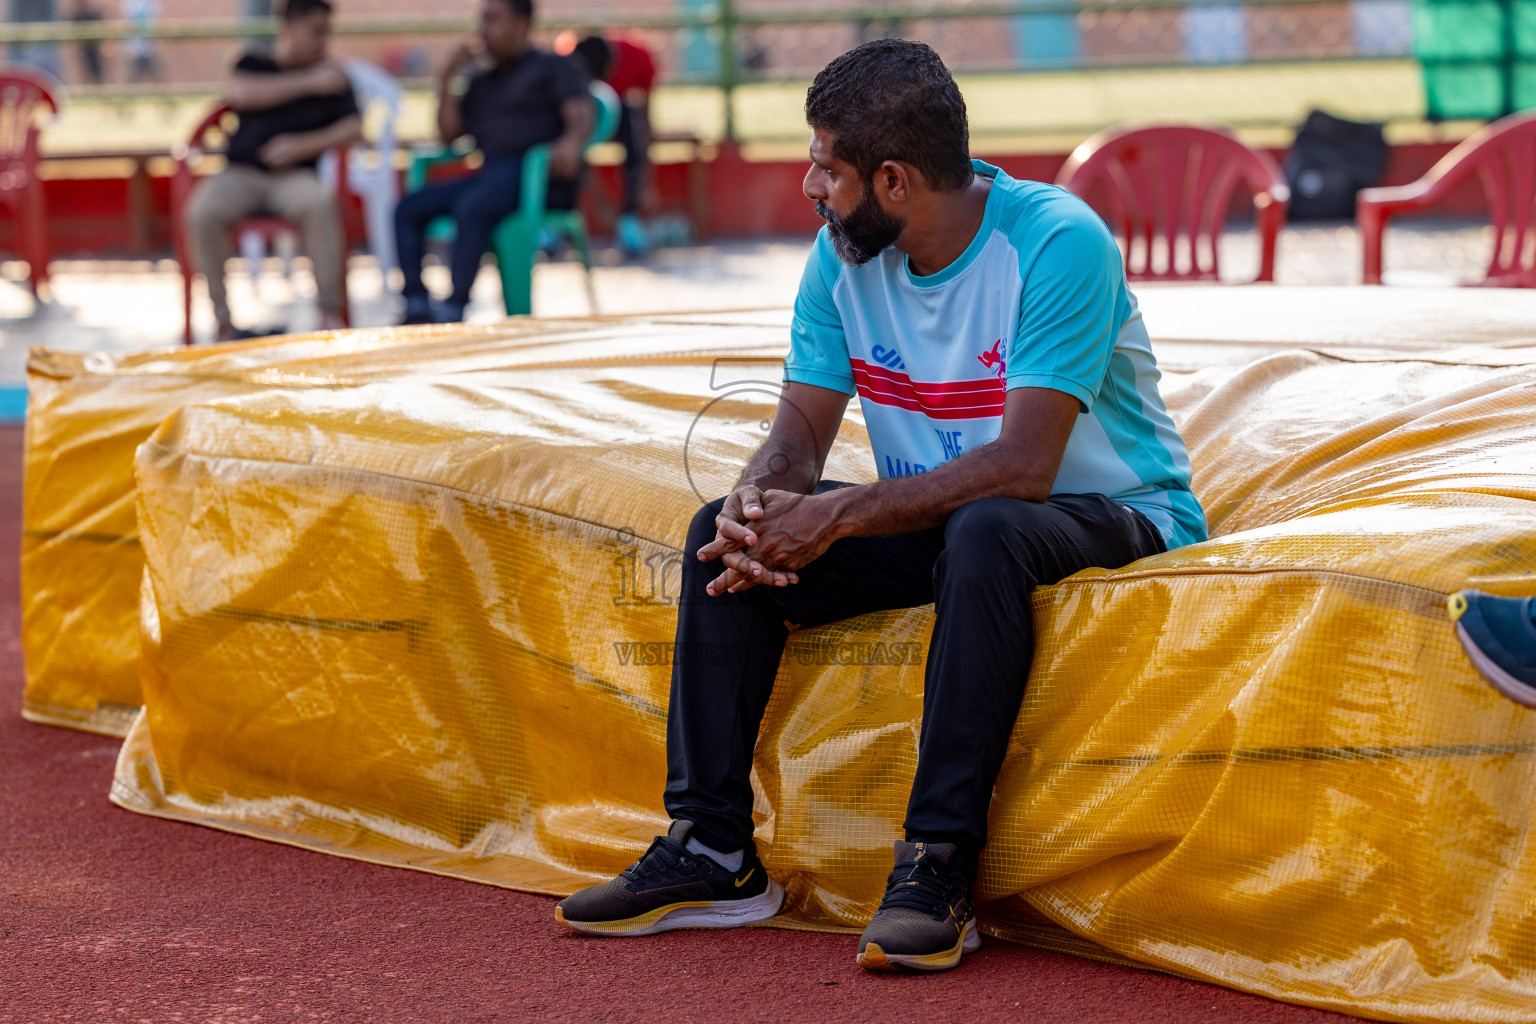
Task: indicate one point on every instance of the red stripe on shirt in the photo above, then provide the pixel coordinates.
(952, 400)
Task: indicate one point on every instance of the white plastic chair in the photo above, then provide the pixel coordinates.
(370, 173)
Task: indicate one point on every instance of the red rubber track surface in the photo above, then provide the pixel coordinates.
(110, 916)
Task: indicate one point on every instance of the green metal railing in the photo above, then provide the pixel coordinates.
(725, 23)
(722, 14)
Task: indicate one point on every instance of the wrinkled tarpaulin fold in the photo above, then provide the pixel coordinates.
(80, 558)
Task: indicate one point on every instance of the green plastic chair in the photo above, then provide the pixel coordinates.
(515, 240)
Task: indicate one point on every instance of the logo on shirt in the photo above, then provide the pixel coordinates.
(950, 440)
(997, 359)
(887, 357)
(901, 467)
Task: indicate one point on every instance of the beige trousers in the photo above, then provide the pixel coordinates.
(241, 191)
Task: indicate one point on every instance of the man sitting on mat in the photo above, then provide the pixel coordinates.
(517, 97)
(294, 104)
(1010, 393)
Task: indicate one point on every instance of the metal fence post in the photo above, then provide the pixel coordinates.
(1511, 57)
(728, 71)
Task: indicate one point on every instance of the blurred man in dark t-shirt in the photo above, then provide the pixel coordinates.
(516, 98)
(294, 104)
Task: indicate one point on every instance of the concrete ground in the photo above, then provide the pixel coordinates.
(125, 305)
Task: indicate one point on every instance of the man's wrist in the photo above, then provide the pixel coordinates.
(841, 508)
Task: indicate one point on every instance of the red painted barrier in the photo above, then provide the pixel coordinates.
(731, 197)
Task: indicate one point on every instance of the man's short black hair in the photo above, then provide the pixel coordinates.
(293, 10)
(893, 99)
(521, 8)
(595, 52)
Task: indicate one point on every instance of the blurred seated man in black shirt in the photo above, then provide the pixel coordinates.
(516, 98)
(294, 104)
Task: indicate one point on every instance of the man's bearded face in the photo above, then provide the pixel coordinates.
(865, 232)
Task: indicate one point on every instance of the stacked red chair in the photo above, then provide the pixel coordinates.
(1167, 190)
(1502, 156)
(26, 97)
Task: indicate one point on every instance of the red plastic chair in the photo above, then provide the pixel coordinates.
(1503, 156)
(1168, 190)
(212, 136)
(25, 96)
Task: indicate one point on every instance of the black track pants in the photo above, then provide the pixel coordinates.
(978, 569)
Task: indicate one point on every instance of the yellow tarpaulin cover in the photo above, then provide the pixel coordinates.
(80, 558)
(427, 622)
(81, 561)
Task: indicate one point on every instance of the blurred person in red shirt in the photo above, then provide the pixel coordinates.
(626, 65)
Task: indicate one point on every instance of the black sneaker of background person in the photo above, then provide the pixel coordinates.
(925, 922)
(249, 333)
(670, 888)
(418, 310)
(1499, 636)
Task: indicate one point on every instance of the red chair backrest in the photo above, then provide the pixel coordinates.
(1503, 156)
(1168, 189)
(210, 136)
(25, 95)
(212, 133)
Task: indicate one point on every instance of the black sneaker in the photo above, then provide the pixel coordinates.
(670, 888)
(248, 333)
(925, 922)
(448, 312)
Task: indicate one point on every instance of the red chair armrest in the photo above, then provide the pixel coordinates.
(1390, 199)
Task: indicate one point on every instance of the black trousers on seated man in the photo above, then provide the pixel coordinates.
(477, 204)
(978, 569)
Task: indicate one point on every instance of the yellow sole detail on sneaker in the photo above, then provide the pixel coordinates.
(941, 961)
(873, 959)
(638, 925)
(688, 915)
(876, 959)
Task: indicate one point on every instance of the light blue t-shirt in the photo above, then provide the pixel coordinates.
(1038, 299)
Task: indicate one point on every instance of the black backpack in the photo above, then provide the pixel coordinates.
(1329, 162)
